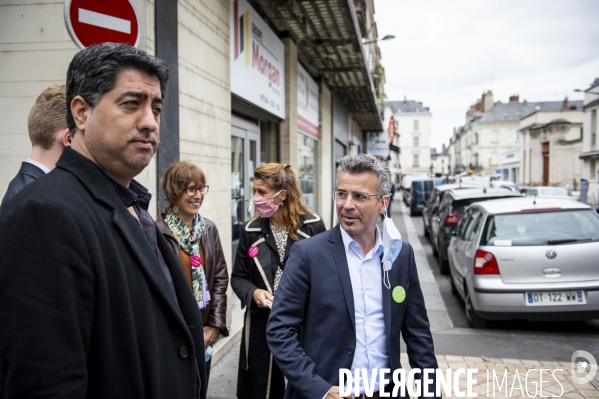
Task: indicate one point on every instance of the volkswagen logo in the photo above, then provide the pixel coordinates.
(551, 254)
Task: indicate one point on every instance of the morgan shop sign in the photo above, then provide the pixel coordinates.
(257, 60)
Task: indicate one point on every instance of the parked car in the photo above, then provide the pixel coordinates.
(454, 202)
(525, 258)
(420, 192)
(503, 183)
(552, 192)
(526, 190)
(432, 205)
(547, 192)
(405, 185)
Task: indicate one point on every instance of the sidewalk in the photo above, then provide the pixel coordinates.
(520, 381)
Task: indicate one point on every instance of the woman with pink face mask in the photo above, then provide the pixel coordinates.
(282, 219)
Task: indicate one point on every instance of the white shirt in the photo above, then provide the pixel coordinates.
(366, 279)
(39, 165)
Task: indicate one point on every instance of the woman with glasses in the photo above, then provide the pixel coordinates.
(196, 244)
(260, 260)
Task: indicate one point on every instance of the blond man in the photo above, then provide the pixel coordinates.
(48, 132)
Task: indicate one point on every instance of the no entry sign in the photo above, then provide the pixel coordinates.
(97, 21)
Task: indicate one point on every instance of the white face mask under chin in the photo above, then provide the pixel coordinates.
(392, 242)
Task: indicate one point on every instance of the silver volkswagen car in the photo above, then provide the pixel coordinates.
(526, 258)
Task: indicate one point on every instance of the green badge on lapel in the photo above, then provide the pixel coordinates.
(398, 294)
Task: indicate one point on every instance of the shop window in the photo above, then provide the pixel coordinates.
(269, 142)
(307, 170)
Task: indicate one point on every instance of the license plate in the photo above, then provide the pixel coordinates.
(555, 298)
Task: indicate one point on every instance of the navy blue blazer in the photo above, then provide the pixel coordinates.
(311, 329)
(27, 174)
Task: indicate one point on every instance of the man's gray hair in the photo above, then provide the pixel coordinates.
(361, 163)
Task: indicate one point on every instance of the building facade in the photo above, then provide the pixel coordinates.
(251, 82)
(412, 121)
(551, 144)
(590, 146)
(492, 132)
(439, 162)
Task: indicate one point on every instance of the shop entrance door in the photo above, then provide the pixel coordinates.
(245, 157)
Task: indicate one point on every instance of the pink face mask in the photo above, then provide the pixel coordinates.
(265, 205)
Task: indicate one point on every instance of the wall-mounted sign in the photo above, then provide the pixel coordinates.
(378, 144)
(92, 22)
(392, 129)
(257, 60)
(307, 103)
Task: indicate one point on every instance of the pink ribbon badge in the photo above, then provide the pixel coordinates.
(253, 251)
(196, 261)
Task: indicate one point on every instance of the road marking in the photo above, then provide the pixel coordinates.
(104, 21)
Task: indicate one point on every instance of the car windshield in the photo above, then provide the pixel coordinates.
(555, 191)
(426, 186)
(541, 228)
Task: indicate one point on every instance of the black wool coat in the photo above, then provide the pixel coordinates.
(86, 309)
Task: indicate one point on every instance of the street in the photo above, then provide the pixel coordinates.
(514, 344)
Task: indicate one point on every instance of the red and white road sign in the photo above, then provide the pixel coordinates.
(91, 21)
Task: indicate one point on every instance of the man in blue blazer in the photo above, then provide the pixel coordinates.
(333, 311)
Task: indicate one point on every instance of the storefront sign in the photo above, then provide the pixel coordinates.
(378, 144)
(307, 103)
(257, 60)
(92, 22)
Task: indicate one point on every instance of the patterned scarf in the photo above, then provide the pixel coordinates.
(191, 245)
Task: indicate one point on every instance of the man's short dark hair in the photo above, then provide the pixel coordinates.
(94, 70)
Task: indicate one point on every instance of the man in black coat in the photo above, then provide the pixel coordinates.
(48, 132)
(93, 303)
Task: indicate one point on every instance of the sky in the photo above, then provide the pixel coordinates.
(446, 53)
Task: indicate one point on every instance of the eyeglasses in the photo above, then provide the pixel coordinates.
(340, 197)
(191, 190)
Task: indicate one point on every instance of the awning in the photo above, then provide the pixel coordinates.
(330, 45)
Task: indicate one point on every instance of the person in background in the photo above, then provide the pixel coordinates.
(195, 242)
(260, 261)
(49, 135)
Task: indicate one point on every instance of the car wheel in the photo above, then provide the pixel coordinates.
(444, 265)
(474, 320)
(454, 289)
(426, 234)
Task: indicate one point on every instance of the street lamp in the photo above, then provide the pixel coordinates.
(388, 37)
